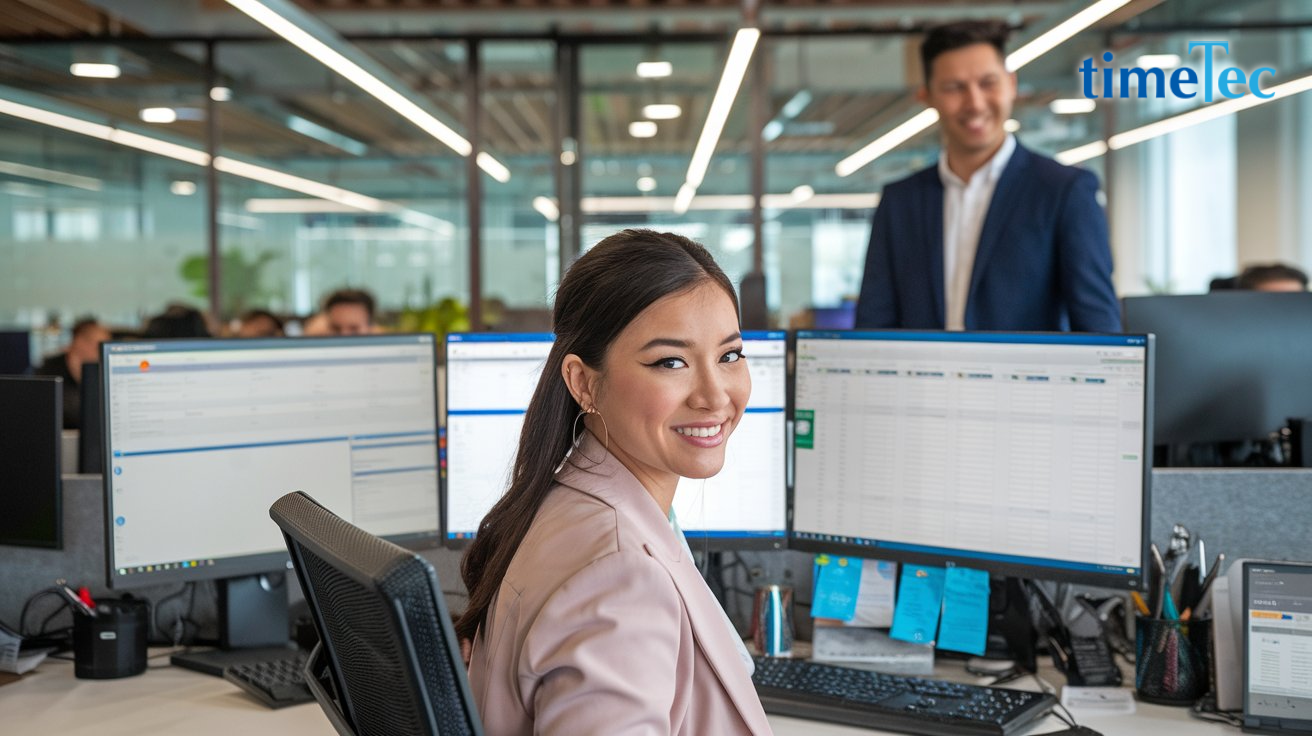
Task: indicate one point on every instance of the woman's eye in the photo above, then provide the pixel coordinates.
(670, 363)
(733, 356)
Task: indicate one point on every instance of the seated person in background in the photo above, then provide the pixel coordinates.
(260, 323)
(586, 611)
(178, 320)
(316, 325)
(350, 312)
(84, 348)
(1273, 277)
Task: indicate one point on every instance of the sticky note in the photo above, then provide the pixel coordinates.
(919, 599)
(874, 603)
(837, 584)
(965, 624)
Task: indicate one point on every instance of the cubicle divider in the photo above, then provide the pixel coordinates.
(1256, 513)
(25, 571)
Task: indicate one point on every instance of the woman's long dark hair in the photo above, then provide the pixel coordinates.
(600, 295)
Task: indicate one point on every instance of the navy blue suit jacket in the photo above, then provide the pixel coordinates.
(1043, 262)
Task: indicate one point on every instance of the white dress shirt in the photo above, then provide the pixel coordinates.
(965, 205)
(743, 654)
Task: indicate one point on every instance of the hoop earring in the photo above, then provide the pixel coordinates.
(574, 445)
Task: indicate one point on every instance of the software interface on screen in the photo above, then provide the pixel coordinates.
(1024, 450)
(205, 435)
(490, 379)
(1279, 639)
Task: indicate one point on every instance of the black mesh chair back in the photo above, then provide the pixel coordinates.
(387, 662)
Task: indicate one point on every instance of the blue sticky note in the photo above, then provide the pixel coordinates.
(837, 582)
(919, 599)
(965, 624)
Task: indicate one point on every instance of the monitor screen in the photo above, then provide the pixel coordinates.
(1232, 365)
(91, 422)
(1278, 646)
(202, 436)
(1022, 454)
(31, 422)
(490, 379)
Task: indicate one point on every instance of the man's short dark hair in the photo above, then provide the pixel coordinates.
(84, 324)
(1254, 276)
(953, 36)
(255, 314)
(351, 296)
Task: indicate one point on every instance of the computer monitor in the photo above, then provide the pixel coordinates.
(202, 436)
(387, 659)
(1230, 366)
(31, 421)
(15, 353)
(91, 418)
(490, 379)
(1022, 454)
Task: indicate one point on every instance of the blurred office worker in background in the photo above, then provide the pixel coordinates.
(260, 323)
(178, 320)
(995, 236)
(1273, 277)
(349, 312)
(84, 348)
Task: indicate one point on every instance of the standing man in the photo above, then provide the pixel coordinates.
(994, 237)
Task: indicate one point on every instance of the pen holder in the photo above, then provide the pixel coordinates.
(1172, 660)
(112, 643)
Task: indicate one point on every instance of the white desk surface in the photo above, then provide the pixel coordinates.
(170, 700)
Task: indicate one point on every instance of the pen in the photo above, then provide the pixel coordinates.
(1202, 561)
(1139, 605)
(1203, 605)
(1159, 595)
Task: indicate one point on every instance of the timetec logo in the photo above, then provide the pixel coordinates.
(1231, 82)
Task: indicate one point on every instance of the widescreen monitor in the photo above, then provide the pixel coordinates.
(1230, 366)
(31, 422)
(91, 422)
(202, 436)
(490, 379)
(1022, 454)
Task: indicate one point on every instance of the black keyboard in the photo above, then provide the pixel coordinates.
(822, 692)
(275, 682)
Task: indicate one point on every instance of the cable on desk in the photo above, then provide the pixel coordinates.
(1204, 709)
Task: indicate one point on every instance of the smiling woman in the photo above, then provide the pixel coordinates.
(586, 612)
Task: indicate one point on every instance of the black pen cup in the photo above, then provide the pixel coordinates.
(111, 644)
(1173, 660)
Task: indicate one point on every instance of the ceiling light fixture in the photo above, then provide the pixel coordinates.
(13, 168)
(221, 94)
(1041, 45)
(95, 71)
(183, 188)
(664, 111)
(1072, 106)
(642, 129)
(646, 184)
(314, 38)
(655, 69)
(1158, 61)
(547, 208)
(158, 115)
(735, 68)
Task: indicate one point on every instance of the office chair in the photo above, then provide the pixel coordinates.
(387, 661)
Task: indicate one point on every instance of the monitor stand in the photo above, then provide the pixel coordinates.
(1011, 627)
(253, 625)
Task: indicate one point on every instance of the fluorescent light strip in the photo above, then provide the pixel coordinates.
(887, 142)
(14, 168)
(230, 166)
(727, 202)
(383, 92)
(547, 208)
(1072, 106)
(1041, 45)
(1073, 156)
(295, 205)
(1049, 40)
(735, 68)
(1158, 61)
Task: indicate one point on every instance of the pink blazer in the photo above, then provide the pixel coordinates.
(603, 625)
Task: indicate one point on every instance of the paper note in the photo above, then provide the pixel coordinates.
(874, 602)
(837, 584)
(965, 624)
(919, 599)
(1098, 701)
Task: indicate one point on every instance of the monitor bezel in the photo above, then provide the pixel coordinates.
(993, 566)
(52, 387)
(719, 543)
(259, 563)
(1257, 723)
